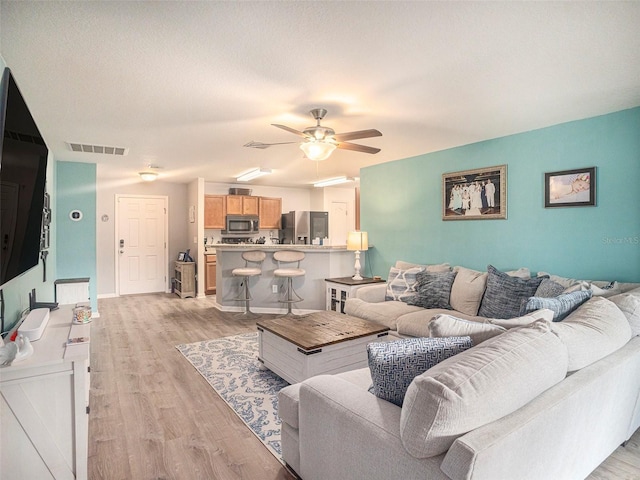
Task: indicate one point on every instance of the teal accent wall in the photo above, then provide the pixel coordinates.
(401, 204)
(76, 241)
(16, 292)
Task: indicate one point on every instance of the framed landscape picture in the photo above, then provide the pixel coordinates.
(570, 188)
(479, 194)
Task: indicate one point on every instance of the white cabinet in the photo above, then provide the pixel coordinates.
(44, 406)
(339, 289)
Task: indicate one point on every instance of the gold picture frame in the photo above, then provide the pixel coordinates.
(478, 194)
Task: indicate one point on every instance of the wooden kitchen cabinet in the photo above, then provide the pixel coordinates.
(242, 205)
(215, 211)
(270, 212)
(210, 275)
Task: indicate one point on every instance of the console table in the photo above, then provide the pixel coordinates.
(339, 289)
(44, 406)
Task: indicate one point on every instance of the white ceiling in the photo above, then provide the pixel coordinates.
(184, 85)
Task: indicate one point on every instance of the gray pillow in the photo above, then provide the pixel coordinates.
(505, 294)
(433, 290)
(549, 288)
(394, 365)
(562, 305)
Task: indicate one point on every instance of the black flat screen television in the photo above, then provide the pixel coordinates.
(23, 172)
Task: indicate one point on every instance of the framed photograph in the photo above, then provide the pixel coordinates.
(181, 256)
(479, 194)
(570, 188)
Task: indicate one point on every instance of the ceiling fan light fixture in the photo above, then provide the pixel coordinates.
(333, 181)
(255, 173)
(317, 151)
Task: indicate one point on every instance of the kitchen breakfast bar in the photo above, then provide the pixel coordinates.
(320, 262)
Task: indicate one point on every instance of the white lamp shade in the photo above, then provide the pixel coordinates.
(317, 150)
(358, 241)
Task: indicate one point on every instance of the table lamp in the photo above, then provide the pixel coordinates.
(358, 242)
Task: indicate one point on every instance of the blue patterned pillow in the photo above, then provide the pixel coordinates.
(562, 305)
(433, 290)
(504, 294)
(401, 283)
(394, 365)
(549, 288)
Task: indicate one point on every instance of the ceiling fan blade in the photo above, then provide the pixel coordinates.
(262, 146)
(357, 148)
(291, 130)
(372, 132)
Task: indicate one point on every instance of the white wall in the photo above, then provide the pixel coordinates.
(107, 187)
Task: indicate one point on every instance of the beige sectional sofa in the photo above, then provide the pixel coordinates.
(533, 399)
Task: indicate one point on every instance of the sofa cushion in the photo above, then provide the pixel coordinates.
(505, 293)
(479, 386)
(542, 314)
(433, 290)
(562, 305)
(395, 364)
(467, 290)
(439, 267)
(629, 304)
(549, 288)
(416, 324)
(401, 283)
(385, 313)
(450, 326)
(593, 331)
(567, 283)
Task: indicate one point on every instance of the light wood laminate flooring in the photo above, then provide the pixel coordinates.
(154, 417)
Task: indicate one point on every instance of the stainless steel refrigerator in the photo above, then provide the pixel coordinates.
(302, 227)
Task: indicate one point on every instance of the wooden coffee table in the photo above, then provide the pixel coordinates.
(296, 348)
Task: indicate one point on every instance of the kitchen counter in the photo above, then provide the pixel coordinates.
(268, 246)
(320, 262)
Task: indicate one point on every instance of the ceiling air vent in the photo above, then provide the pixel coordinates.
(84, 148)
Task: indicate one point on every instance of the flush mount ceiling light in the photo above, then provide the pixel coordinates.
(333, 181)
(149, 175)
(251, 174)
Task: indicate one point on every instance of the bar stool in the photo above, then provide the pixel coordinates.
(284, 257)
(255, 257)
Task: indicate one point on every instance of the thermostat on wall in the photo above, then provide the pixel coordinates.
(75, 215)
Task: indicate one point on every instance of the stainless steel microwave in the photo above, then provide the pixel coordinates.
(241, 225)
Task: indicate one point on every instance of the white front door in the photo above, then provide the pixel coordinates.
(141, 243)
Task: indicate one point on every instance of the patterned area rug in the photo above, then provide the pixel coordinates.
(231, 367)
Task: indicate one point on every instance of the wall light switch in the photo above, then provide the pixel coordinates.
(195, 240)
(274, 288)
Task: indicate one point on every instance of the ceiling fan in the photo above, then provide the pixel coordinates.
(319, 142)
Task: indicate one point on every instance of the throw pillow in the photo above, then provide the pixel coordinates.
(607, 290)
(394, 365)
(433, 290)
(562, 305)
(504, 294)
(548, 288)
(508, 323)
(629, 304)
(448, 326)
(593, 331)
(401, 283)
(467, 290)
